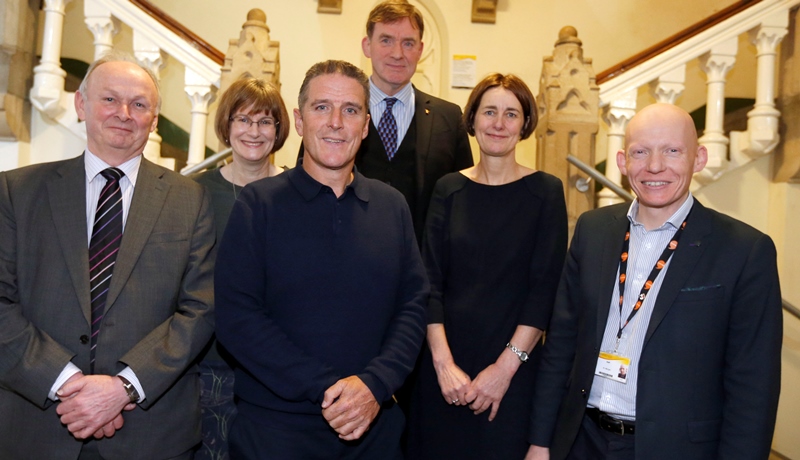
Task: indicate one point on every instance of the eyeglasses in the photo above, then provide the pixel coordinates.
(243, 123)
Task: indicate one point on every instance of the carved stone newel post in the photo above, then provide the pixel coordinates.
(252, 54)
(787, 155)
(568, 103)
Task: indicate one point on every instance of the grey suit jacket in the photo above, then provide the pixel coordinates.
(709, 372)
(159, 312)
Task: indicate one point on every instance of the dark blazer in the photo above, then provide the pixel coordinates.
(709, 374)
(158, 313)
(442, 147)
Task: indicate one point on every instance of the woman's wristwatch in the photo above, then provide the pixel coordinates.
(522, 354)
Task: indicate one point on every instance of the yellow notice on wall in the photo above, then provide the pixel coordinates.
(464, 71)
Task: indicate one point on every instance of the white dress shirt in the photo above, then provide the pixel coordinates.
(94, 185)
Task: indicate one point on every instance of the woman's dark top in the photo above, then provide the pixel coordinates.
(494, 256)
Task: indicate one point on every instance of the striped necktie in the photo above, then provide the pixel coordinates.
(103, 249)
(387, 128)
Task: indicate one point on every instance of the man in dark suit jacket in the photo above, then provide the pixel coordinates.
(58, 399)
(704, 345)
(431, 140)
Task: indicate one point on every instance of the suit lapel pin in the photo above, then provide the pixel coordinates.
(427, 111)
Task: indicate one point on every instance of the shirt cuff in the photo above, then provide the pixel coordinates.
(131, 376)
(69, 370)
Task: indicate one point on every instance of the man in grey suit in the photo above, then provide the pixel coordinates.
(685, 299)
(97, 344)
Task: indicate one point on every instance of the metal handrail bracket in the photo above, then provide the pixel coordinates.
(599, 177)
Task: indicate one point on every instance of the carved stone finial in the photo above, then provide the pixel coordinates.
(256, 18)
(568, 34)
(252, 54)
(257, 15)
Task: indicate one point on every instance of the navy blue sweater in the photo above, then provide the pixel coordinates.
(311, 288)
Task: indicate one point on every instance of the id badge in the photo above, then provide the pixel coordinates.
(613, 367)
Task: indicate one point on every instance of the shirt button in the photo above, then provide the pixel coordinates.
(648, 245)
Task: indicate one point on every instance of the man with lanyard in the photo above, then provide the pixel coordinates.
(684, 299)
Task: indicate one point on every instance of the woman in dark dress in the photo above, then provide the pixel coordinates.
(252, 120)
(494, 245)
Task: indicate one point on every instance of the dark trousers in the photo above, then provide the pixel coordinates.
(593, 443)
(89, 451)
(250, 440)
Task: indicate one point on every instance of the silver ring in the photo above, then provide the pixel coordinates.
(455, 400)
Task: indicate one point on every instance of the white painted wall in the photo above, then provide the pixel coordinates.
(524, 33)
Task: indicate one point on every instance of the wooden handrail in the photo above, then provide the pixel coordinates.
(181, 30)
(674, 40)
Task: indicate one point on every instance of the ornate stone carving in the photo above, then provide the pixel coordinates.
(253, 53)
(17, 48)
(102, 25)
(787, 155)
(670, 85)
(484, 11)
(568, 104)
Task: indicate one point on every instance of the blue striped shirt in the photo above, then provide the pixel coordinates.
(619, 399)
(403, 109)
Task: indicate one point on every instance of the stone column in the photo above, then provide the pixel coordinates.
(762, 121)
(48, 80)
(716, 64)
(616, 114)
(102, 25)
(568, 105)
(787, 154)
(201, 93)
(150, 55)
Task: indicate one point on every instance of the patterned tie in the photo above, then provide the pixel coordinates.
(387, 128)
(103, 248)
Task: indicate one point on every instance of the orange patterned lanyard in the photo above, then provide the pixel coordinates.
(623, 268)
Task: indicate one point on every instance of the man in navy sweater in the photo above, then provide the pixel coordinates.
(321, 289)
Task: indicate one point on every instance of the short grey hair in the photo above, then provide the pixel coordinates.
(119, 56)
(333, 67)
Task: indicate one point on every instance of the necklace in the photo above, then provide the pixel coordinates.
(233, 182)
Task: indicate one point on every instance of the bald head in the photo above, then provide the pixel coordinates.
(661, 155)
(668, 116)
